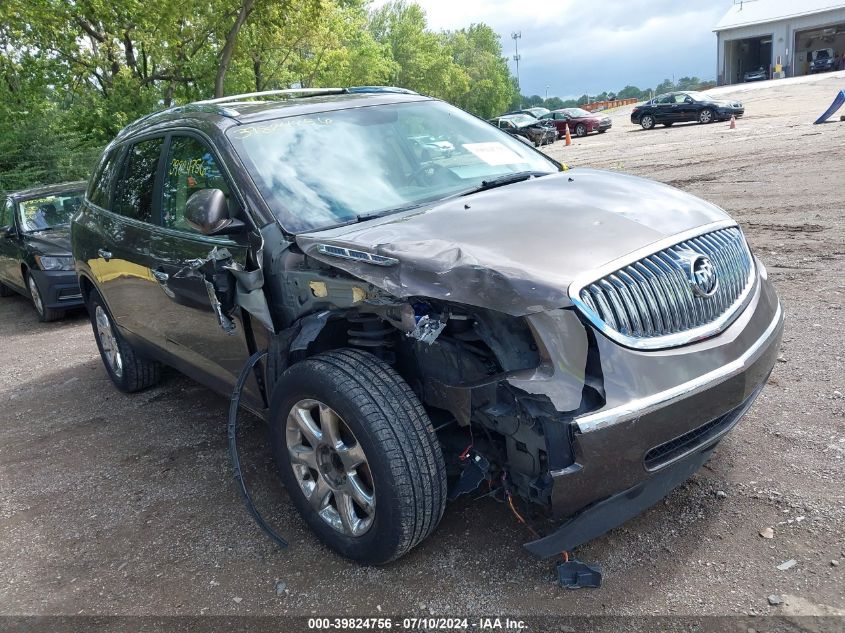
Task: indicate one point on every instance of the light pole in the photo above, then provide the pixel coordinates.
(547, 93)
(516, 36)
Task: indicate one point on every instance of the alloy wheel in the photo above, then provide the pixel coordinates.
(108, 341)
(330, 466)
(647, 122)
(705, 117)
(36, 295)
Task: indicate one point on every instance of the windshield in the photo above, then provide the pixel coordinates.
(824, 53)
(321, 170)
(521, 120)
(40, 214)
(537, 112)
(699, 96)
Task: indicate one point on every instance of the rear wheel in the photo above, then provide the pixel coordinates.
(128, 370)
(580, 130)
(706, 116)
(44, 314)
(358, 455)
(647, 122)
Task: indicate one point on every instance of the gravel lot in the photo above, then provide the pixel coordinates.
(115, 504)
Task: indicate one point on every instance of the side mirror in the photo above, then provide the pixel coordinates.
(208, 212)
(8, 231)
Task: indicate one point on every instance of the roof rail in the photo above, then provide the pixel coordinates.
(267, 93)
(305, 92)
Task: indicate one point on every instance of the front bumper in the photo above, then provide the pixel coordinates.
(59, 288)
(665, 412)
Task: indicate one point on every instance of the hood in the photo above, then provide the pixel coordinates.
(52, 242)
(515, 249)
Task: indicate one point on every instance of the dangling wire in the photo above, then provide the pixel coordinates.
(234, 403)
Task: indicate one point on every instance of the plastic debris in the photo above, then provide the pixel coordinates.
(787, 564)
(837, 103)
(573, 574)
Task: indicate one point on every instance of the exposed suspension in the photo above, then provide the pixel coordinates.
(369, 332)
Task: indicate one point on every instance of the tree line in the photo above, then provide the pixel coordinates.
(72, 74)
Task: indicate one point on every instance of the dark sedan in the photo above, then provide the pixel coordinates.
(677, 107)
(35, 257)
(580, 121)
(526, 126)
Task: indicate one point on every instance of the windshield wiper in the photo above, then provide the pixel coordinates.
(363, 217)
(507, 179)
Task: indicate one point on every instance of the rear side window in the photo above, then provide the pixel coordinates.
(100, 192)
(133, 191)
(190, 167)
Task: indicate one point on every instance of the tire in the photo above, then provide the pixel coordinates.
(580, 130)
(706, 116)
(647, 121)
(128, 370)
(669, 124)
(5, 291)
(45, 315)
(398, 493)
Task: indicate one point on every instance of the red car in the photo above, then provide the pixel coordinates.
(580, 121)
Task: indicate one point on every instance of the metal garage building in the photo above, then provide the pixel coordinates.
(777, 35)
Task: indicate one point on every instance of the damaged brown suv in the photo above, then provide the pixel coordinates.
(437, 322)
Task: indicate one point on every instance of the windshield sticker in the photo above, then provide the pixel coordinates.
(494, 153)
(272, 128)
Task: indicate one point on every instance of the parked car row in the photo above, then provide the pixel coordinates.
(536, 123)
(443, 309)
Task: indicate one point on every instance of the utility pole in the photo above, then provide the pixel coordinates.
(547, 93)
(516, 36)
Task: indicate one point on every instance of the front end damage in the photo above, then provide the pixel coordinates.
(542, 406)
(526, 393)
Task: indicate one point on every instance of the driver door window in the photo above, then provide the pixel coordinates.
(190, 167)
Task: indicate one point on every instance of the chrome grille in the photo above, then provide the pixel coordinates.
(650, 302)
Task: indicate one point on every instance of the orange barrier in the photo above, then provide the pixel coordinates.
(567, 136)
(606, 105)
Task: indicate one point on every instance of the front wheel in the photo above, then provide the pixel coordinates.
(706, 116)
(358, 455)
(45, 314)
(580, 130)
(128, 370)
(647, 122)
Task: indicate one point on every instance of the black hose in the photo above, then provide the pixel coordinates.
(234, 404)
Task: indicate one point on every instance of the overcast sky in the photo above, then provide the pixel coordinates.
(578, 46)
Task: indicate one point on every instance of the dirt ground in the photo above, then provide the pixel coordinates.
(116, 504)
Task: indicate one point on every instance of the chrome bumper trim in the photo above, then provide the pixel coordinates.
(641, 406)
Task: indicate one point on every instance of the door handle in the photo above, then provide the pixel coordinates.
(106, 255)
(160, 276)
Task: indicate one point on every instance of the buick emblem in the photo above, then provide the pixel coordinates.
(702, 276)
